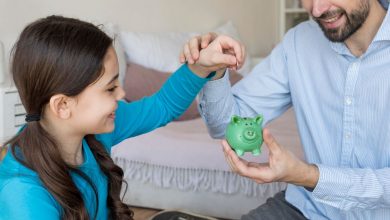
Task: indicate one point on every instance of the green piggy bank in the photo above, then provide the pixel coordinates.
(245, 134)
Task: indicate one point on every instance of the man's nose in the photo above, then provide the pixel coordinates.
(319, 7)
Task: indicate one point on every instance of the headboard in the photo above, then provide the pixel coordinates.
(256, 20)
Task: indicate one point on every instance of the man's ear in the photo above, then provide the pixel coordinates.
(60, 106)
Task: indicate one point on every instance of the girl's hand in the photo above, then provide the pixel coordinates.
(223, 52)
(192, 48)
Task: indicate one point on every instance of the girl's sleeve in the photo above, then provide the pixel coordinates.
(22, 200)
(146, 114)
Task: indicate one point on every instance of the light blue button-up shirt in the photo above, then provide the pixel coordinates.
(342, 106)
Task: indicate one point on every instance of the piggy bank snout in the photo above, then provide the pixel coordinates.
(250, 134)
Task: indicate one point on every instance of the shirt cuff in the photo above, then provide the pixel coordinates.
(192, 76)
(215, 90)
(332, 187)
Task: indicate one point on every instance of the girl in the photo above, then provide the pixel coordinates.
(59, 164)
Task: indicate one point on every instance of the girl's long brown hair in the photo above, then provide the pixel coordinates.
(58, 55)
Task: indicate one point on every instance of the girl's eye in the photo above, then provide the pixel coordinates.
(112, 89)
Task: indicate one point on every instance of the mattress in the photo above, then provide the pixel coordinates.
(180, 167)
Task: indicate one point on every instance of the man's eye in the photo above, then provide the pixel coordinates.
(112, 89)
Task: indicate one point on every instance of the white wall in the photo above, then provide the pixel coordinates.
(256, 20)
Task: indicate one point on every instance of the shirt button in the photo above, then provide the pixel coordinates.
(348, 136)
(348, 101)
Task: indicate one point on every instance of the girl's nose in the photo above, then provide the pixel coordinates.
(120, 93)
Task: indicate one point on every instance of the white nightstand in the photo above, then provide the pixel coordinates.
(12, 113)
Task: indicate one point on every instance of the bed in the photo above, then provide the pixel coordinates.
(180, 167)
(177, 166)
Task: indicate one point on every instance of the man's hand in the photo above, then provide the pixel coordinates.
(223, 52)
(192, 51)
(283, 166)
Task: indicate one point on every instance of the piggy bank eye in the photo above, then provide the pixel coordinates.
(250, 124)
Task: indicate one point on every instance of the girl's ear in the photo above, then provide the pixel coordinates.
(60, 106)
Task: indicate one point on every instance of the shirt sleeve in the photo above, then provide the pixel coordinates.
(264, 91)
(21, 200)
(348, 188)
(144, 115)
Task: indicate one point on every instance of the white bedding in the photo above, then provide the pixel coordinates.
(182, 142)
(180, 167)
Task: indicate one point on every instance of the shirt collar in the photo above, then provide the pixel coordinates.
(383, 34)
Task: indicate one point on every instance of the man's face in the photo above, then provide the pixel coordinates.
(339, 19)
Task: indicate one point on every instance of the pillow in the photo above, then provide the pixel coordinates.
(160, 51)
(112, 30)
(140, 81)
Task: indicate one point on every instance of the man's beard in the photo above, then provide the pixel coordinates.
(354, 21)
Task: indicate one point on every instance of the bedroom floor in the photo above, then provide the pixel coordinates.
(143, 213)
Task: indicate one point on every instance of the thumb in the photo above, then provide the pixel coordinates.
(270, 141)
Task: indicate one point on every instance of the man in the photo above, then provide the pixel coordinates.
(335, 71)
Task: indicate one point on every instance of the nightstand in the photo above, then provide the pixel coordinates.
(12, 113)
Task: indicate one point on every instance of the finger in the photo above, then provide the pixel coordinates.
(228, 161)
(234, 66)
(270, 141)
(231, 155)
(182, 58)
(257, 171)
(222, 67)
(187, 54)
(232, 52)
(224, 59)
(243, 56)
(231, 164)
(229, 51)
(259, 181)
(207, 38)
(240, 165)
(226, 148)
(229, 43)
(253, 164)
(194, 47)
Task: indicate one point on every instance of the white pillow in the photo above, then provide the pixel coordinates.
(160, 51)
(112, 30)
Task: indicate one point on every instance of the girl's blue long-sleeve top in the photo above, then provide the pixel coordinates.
(22, 194)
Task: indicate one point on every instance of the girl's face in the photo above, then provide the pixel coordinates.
(94, 111)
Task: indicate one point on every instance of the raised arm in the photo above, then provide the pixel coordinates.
(176, 94)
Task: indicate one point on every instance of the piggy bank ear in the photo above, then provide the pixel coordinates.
(235, 119)
(259, 119)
